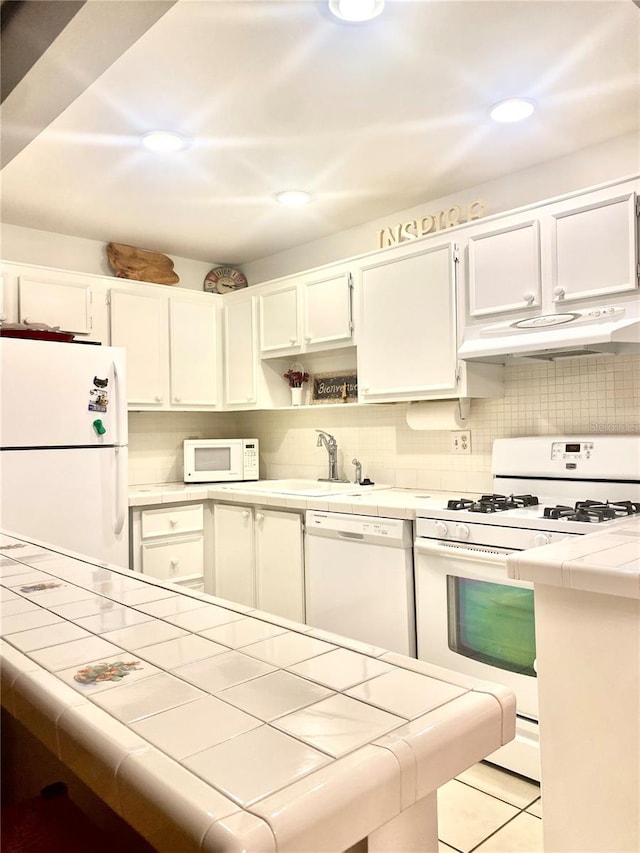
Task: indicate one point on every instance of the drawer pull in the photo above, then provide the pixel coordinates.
(173, 521)
(259, 516)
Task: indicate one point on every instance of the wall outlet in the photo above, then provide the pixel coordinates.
(461, 441)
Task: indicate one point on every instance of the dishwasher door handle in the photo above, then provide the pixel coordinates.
(345, 535)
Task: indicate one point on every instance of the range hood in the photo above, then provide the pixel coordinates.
(554, 336)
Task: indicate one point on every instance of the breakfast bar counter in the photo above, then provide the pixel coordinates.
(587, 598)
(210, 726)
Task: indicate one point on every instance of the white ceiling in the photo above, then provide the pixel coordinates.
(370, 118)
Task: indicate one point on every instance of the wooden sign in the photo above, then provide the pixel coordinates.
(429, 224)
(339, 387)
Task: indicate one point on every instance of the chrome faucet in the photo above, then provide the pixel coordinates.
(358, 465)
(326, 440)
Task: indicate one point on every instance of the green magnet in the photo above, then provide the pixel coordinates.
(99, 427)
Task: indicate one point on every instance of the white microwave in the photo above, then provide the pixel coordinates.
(220, 460)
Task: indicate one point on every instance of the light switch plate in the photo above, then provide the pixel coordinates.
(461, 441)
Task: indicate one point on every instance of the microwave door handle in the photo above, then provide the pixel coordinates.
(491, 555)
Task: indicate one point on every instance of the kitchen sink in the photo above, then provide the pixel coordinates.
(303, 488)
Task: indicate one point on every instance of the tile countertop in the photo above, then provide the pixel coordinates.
(209, 726)
(389, 502)
(605, 562)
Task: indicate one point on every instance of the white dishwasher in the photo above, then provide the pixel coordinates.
(359, 578)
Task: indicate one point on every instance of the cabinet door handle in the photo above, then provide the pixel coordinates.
(174, 564)
(173, 521)
(293, 340)
(177, 399)
(245, 513)
(250, 398)
(559, 293)
(308, 339)
(158, 398)
(529, 298)
(259, 516)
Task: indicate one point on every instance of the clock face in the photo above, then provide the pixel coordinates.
(224, 279)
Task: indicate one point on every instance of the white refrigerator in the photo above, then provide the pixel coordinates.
(63, 446)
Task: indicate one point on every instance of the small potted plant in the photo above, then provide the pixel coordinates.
(296, 377)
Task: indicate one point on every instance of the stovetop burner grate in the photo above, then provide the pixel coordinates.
(493, 503)
(594, 512)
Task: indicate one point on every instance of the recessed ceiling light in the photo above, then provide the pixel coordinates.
(164, 141)
(293, 198)
(513, 109)
(356, 10)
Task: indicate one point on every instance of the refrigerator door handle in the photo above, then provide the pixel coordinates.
(121, 498)
(120, 401)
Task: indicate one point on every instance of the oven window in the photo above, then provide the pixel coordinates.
(492, 623)
(212, 459)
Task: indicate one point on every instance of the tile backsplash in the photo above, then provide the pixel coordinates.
(586, 395)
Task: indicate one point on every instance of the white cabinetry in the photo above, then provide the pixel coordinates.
(594, 246)
(307, 313)
(240, 357)
(577, 249)
(407, 324)
(258, 558)
(504, 267)
(172, 543)
(173, 348)
(194, 353)
(279, 320)
(71, 300)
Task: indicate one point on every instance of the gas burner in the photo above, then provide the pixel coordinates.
(459, 503)
(493, 503)
(594, 512)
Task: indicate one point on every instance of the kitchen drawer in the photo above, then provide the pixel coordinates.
(180, 560)
(169, 521)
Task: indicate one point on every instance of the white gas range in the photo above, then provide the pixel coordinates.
(472, 618)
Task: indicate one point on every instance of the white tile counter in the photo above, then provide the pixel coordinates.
(587, 599)
(605, 561)
(209, 726)
(388, 502)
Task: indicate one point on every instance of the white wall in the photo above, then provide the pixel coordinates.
(44, 248)
(616, 158)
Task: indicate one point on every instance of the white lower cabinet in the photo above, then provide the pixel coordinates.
(172, 543)
(258, 558)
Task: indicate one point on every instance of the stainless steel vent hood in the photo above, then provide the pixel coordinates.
(603, 330)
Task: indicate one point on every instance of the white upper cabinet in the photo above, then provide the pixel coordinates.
(533, 261)
(139, 323)
(504, 267)
(194, 353)
(594, 246)
(70, 300)
(279, 333)
(306, 313)
(327, 310)
(173, 348)
(406, 340)
(240, 358)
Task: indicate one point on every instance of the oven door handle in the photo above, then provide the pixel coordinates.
(495, 556)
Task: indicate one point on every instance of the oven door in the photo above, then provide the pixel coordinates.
(472, 618)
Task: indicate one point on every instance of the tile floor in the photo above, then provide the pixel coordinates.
(489, 810)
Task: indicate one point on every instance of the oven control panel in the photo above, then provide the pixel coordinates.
(571, 450)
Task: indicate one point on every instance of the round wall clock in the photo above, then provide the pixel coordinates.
(223, 280)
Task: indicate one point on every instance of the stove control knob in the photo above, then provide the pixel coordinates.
(462, 531)
(541, 539)
(441, 528)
